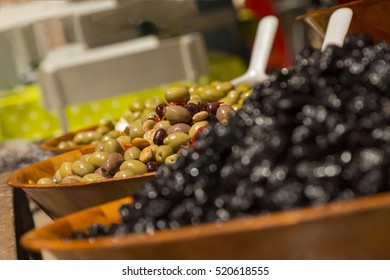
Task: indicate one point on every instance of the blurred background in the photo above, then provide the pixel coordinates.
(66, 64)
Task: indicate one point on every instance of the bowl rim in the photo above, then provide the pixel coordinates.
(48, 144)
(13, 180)
(41, 239)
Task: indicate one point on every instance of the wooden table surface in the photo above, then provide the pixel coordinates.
(7, 227)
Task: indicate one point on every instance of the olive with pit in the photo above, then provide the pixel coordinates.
(224, 112)
(70, 179)
(97, 158)
(195, 128)
(65, 169)
(159, 136)
(112, 134)
(82, 168)
(171, 159)
(136, 167)
(177, 114)
(124, 140)
(177, 95)
(179, 127)
(136, 105)
(112, 163)
(148, 125)
(123, 174)
(146, 155)
(163, 152)
(92, 177)
(132, 153)
(176, 140)
(224, 86)
(151, 166)
(136, 129)
(45, 181)
(112, 145)
(162, 124)
(212, 94)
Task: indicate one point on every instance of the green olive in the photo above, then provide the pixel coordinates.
(148, 125)
(176, 140)
(200, 116)
(148, 114)
(79, 138)
(146, 155)
(162, 124)
(107, 123)
(152, 102)
(45, 181)
(132, 153)
(103, 130)
(123, 140)
(57, 176)
(99, 146)
(135, 166)
(177, 114)
(82, 168)
(129, 116)
(243, 87)
(231, 98)
(212, 94)
(64, 145)
(91, 136)
(123, 174)
(85, 157)
(70, 179)
(112, 134)
(97, 158)
(112, 145)
(171, 159)
(65, 169)
(136, 129)
(136, 105)
(163, 152)
(224, 86)
(196, 126)
(149, 135)
(196, 100)
(92, 177)
(177, 95)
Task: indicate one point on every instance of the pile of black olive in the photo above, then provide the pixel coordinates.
(315, 133)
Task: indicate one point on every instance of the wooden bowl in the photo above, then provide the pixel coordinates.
(369, 16)
(51, 144)
(60, 200)
(354, 229)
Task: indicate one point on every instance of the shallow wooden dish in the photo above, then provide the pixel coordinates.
(60, 200)
(369, 16)
(354, 229)
(51, 144)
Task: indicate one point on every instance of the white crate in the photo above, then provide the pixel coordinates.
(75, 75)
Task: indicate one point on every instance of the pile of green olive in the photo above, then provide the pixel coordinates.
(151, 137)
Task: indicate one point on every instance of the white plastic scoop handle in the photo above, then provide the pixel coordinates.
(264, 40)
(337, 28)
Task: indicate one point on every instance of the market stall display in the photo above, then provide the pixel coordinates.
(288, 167)
(59, 200)
(311, 135)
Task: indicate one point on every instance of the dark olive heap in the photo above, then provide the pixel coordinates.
(315, 133)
